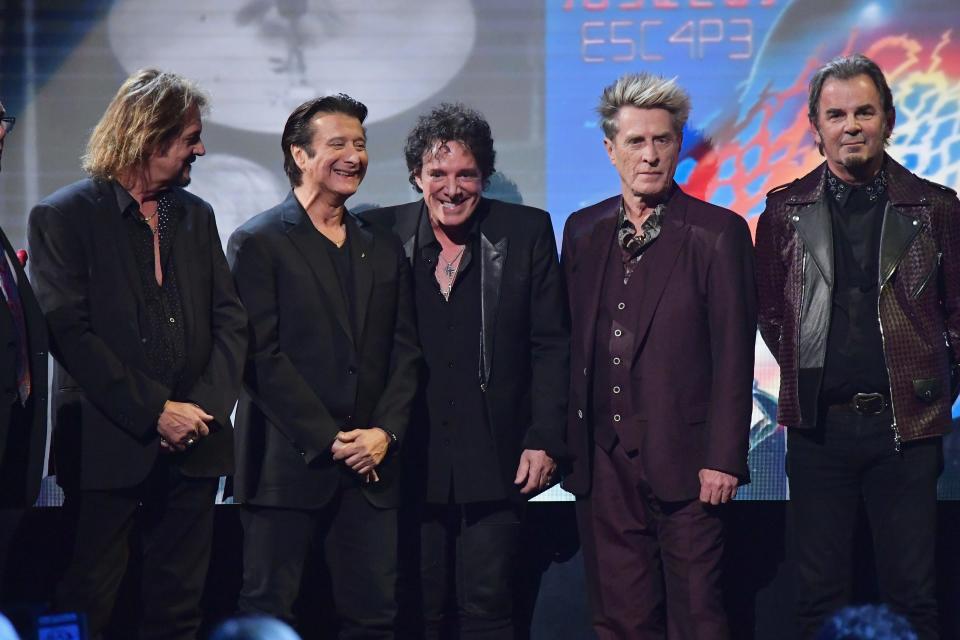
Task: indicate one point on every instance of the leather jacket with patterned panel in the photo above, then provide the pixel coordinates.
(918, 306)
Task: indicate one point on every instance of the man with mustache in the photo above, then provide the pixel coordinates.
(23, 360)
(331, 374)
(858, 267)
(488, 425)
(662, 301)
(149, 335)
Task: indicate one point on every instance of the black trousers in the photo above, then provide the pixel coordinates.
(359, 547)
(174, 517)
(468, 559)
(831, 469)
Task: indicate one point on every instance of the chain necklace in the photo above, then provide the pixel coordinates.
(450, 270)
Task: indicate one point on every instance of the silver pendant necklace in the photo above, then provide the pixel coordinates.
(450, 270)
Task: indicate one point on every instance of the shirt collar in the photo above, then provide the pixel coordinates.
(125, 201)
(123, 197)
(841, 191)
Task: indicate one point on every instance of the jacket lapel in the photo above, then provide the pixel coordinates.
(816, 231)
(493, 255)
(300, 230)
(899, 227)
(182, 257)
(361, 259)
(810, 215)
(594, 256)
(113, 234)
(660, 259)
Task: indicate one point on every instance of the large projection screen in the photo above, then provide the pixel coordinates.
(535, 69)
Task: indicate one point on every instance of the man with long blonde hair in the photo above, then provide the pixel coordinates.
(149, 338)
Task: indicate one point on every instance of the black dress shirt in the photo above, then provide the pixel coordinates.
(854, 360)
(161, 329)
(462, 461)
(340, 257)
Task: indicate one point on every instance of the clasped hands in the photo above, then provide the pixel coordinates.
(362, 450)
(181, 424)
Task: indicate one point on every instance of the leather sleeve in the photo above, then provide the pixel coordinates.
(771, 280)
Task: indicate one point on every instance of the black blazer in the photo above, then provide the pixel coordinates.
(23, 432)
(308, 374)
(105, 406)
(525, 336)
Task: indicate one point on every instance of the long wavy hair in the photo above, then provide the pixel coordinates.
(148, 112)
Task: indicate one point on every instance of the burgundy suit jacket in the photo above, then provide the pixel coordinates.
(692, 372)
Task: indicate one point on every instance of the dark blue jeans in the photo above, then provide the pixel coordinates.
(831, 469)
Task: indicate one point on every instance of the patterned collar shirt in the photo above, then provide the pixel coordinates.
(634, 243)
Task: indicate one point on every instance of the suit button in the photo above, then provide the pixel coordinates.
(616, 361)
(616, 417)
(795, 218)
(351, 370)
(584, 371)
(928, 394)
(303, 453)
(617, 332)
(580, 413)
(616, 389)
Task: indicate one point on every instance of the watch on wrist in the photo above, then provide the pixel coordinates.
(393, 439)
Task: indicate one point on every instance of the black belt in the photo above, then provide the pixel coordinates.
(866, 404)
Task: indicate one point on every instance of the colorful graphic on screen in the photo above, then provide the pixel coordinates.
(746, 65)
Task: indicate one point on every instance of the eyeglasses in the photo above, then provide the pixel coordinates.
(7, 123)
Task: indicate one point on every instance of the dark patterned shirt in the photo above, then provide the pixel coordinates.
(633, 243)
(161, 327)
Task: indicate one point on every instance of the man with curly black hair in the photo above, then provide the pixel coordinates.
(488, 425)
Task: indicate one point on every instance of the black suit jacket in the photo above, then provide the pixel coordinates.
(23, 430)
(693, 370)
(105, 405)
(308, 374)
(525, 338)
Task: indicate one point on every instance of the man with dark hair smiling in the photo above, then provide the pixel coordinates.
(492, 322)
(331, 374)
(858, 271)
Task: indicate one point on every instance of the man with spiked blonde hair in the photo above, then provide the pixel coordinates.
(663, 325)
(149, 337)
